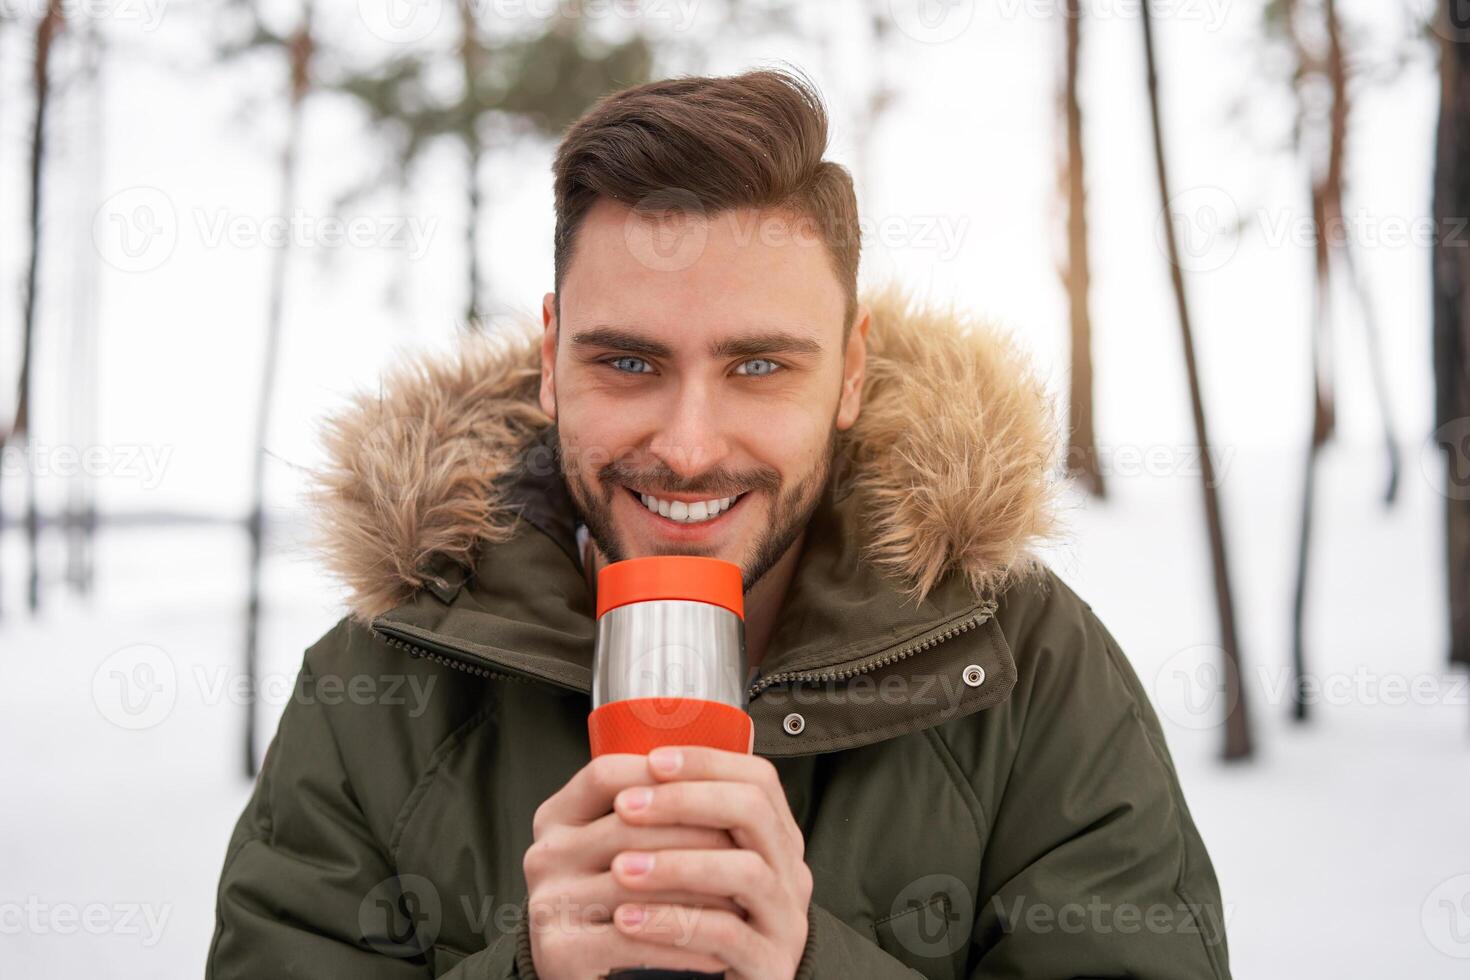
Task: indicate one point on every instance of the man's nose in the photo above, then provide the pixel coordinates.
(691, 438)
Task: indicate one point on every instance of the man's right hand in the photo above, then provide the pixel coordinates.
(571, 886)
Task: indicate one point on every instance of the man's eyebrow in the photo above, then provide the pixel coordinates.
(758, 345)
(755, 345)
(617, 338)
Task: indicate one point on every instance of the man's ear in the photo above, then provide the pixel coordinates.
(548, 354)
(854, 364)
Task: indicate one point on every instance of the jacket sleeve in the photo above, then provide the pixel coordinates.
(1093, 865)
(307, 890)
(837, 951)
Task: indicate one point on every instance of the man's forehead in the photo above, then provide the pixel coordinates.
(715, 288)
(746, 247)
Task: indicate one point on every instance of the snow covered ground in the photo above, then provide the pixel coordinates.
(1341, 850)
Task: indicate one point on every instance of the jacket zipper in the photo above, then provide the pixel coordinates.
(884, 660)
(459, 660)
(445, 656)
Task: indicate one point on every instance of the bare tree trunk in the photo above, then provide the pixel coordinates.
(80, 520)
(1326, 198)
(1334, 193)
(877, 96)
(1237, 725)
(1372, 335)
(50, 25)
(471, 56)
(1082, 457)
(1324, 417)
(299, 53)
(1451, 284)
(1328, 192)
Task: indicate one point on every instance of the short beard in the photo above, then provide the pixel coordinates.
(790, 513)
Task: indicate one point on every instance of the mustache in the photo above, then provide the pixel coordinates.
(715, 483)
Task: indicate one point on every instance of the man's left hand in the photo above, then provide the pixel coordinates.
(765, 874)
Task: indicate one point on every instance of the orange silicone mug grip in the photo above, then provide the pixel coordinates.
(643, 724)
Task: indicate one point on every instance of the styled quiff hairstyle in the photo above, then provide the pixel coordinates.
(710, 144)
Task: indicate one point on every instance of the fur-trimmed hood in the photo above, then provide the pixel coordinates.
(951, 457)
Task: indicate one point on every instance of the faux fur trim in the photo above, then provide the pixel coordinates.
(951, 457)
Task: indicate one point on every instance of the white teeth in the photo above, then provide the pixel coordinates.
(684, 512)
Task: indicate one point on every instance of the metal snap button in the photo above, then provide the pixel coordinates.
(793, 723)
(974, 675)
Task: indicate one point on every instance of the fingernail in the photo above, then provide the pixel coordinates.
(635, 862)
(666, 759)
(632, 914)
(637, 799)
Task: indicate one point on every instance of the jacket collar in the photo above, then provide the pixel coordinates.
(442, 510)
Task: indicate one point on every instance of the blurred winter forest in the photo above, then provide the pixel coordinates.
(1234, 234)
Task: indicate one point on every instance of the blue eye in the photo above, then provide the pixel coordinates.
(623, 360)
(770, 368)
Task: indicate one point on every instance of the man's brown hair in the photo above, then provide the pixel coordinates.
(710, 144)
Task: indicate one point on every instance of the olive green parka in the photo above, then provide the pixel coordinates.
(983, 787)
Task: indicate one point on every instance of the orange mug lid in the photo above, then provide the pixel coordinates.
(691, 577)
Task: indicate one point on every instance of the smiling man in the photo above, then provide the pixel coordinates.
(956, 772)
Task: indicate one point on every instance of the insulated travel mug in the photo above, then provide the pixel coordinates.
(669, 668)
(669, 664)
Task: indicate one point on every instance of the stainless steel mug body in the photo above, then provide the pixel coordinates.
(670, 648)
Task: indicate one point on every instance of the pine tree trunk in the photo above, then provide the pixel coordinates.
(50, 25)
(1451, 279)
(1237, 725)
(299, 52)
(471, 55)
(1082, 457)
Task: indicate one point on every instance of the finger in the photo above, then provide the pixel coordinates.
(589, 793)
(567, 850)
(709, 931)
(595, 949)
(702, 762)
(739, 875)
(741, 808)
(592, 898)
(611, 834)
